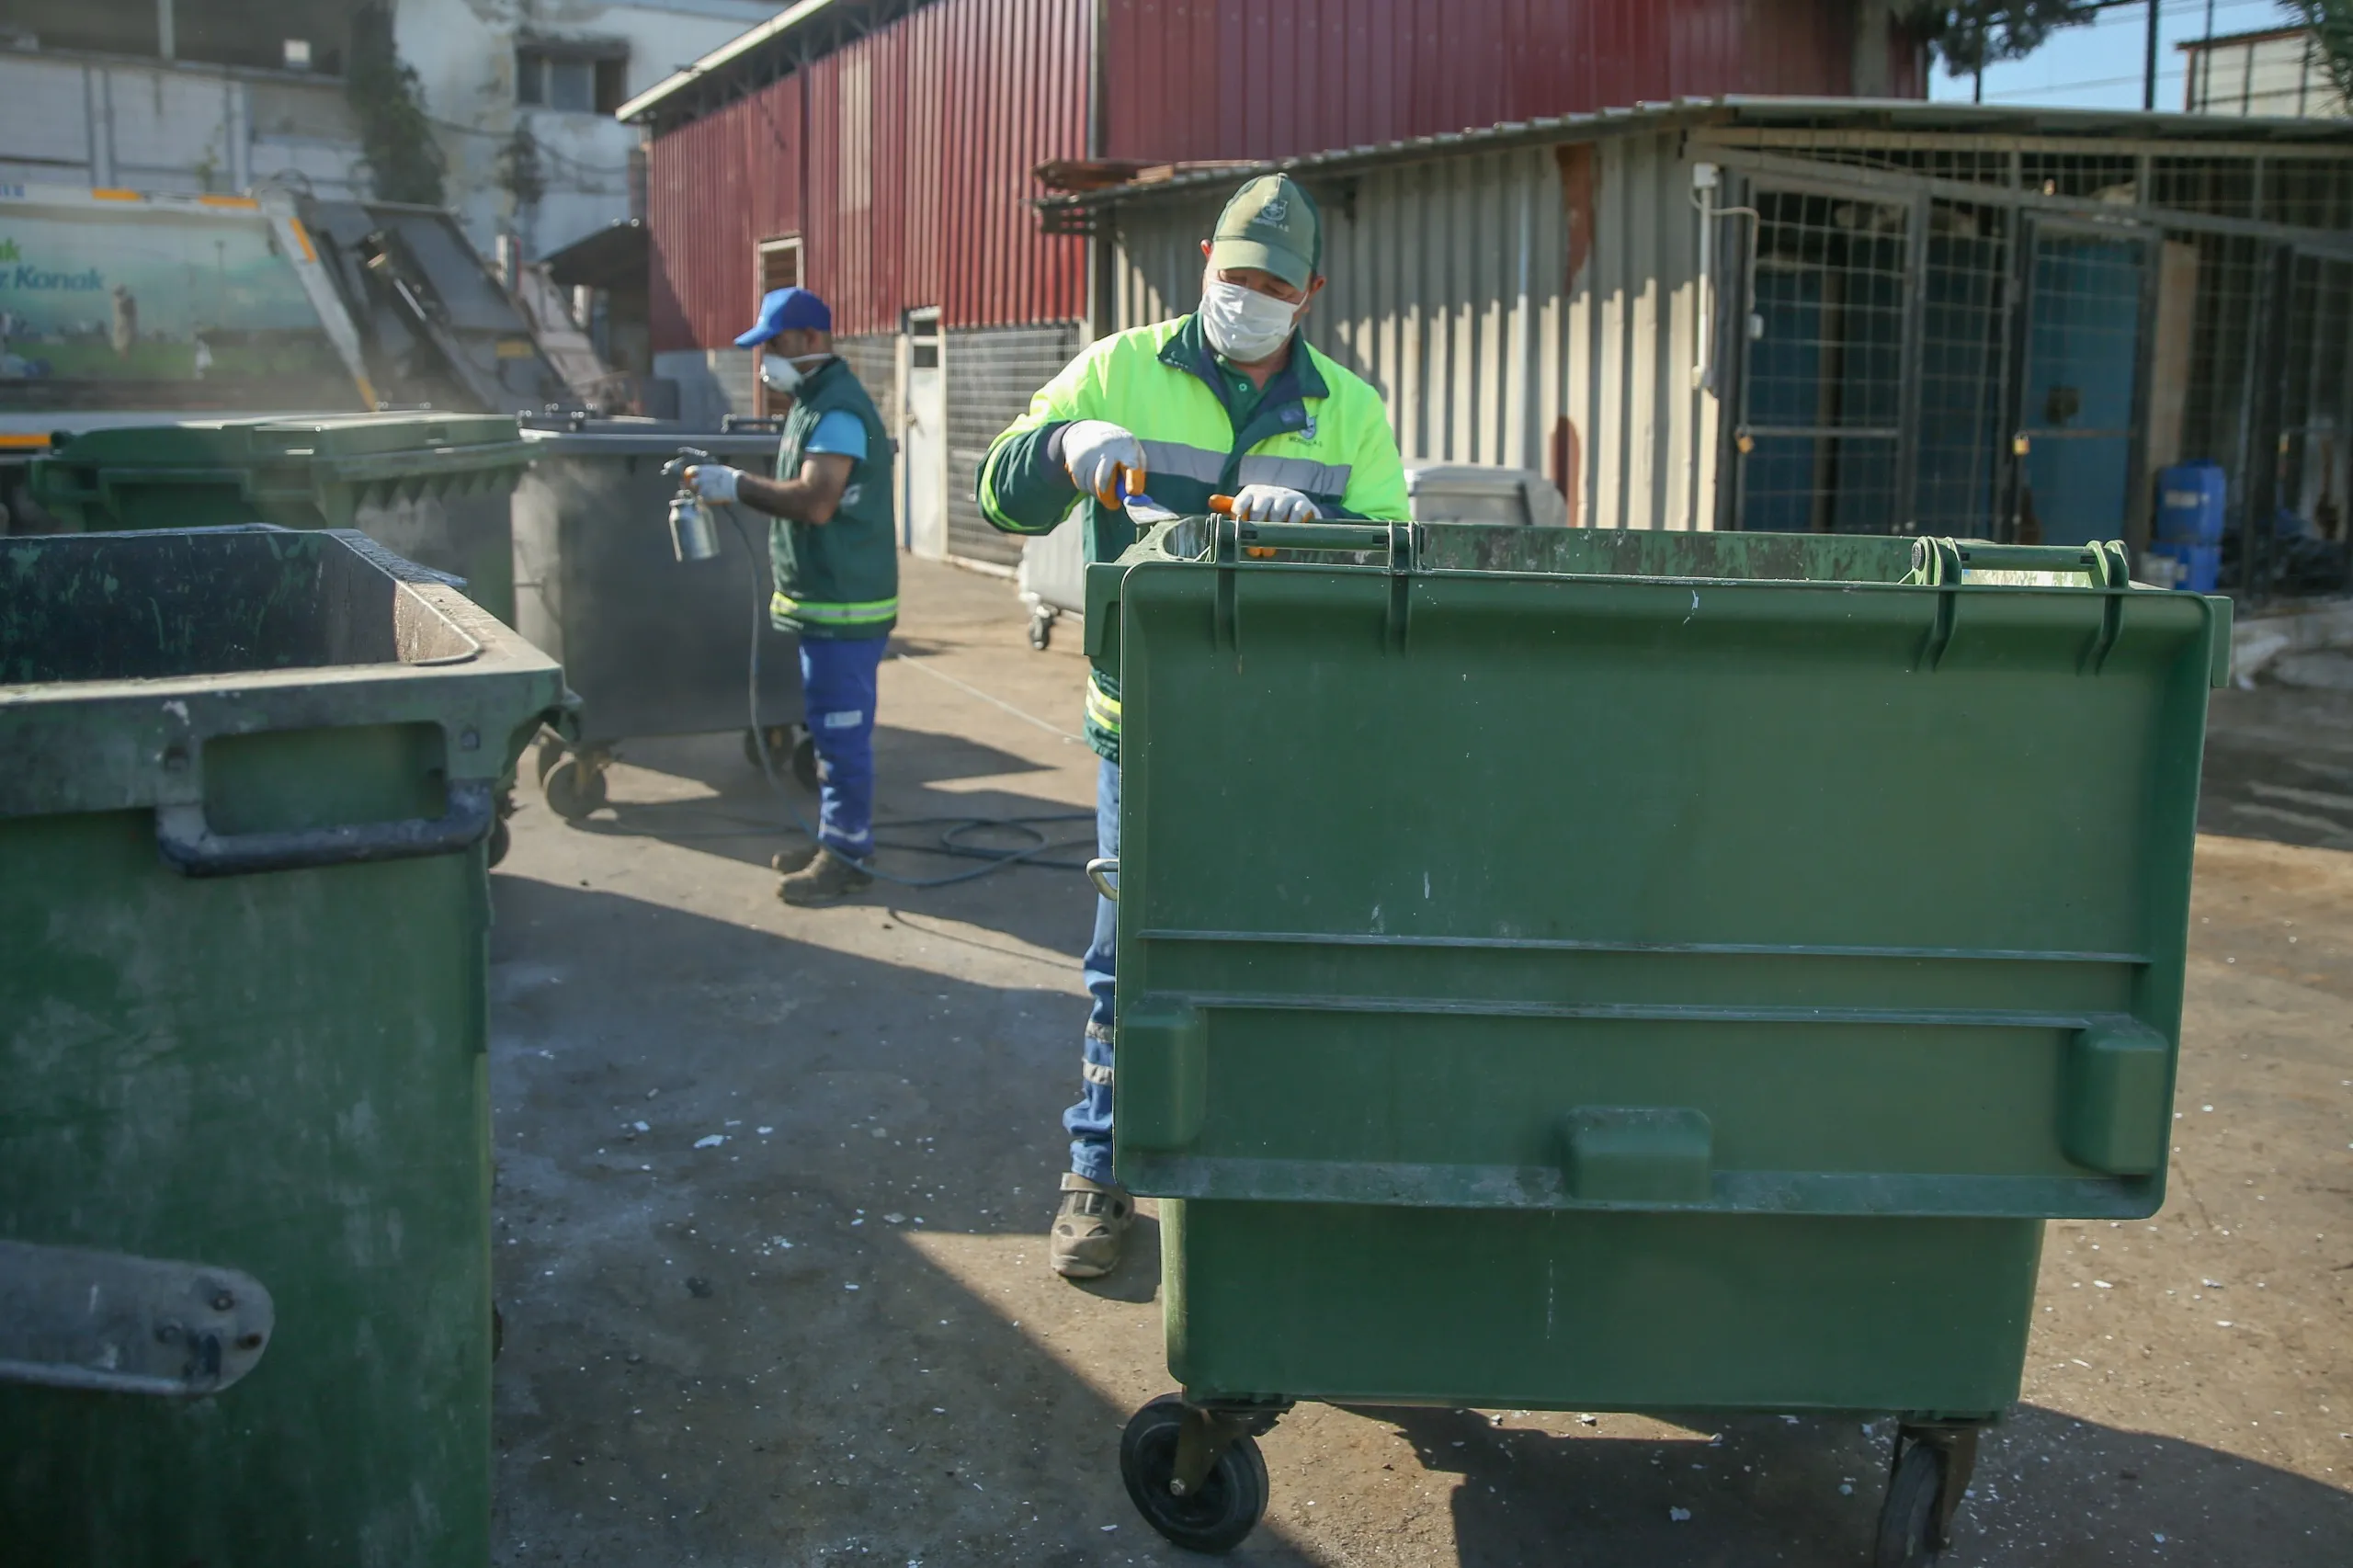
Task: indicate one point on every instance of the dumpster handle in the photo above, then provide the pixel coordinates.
(1100, 872)
(191, 847)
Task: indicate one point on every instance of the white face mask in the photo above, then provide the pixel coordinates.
(1241, 324)
(783, 375)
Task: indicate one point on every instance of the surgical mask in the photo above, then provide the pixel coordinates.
(1243, 324)
(783, 375)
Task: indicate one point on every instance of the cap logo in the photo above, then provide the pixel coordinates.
(1275, 212)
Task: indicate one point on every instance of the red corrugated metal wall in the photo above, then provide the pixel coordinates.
(921, 138)
(920, 142)
(1275, 78)
(714, 188)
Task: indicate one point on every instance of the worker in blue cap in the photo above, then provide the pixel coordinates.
(834, 548)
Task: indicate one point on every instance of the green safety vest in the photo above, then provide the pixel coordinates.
(838, 580)
(1317, 429)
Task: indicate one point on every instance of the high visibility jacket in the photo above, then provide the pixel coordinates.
(838, 579)
(1317, 429)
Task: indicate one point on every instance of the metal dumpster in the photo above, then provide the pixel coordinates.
(245, 1175)
(431, 487)
(654, 647)
(1627, 971)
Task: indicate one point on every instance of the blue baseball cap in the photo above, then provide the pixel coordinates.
(788, 310)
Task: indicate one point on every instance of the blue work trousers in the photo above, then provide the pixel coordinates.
(837, 689)
(1089, 1122)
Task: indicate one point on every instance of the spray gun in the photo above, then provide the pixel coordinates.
(694, 536)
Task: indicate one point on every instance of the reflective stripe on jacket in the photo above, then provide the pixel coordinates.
(1318, 429)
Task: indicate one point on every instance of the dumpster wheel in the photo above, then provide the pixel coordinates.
(783, 741)
(1931, 1470)
(1230, 1496)
(574, 786)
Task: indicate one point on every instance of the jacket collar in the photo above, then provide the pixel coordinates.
(1188, 350)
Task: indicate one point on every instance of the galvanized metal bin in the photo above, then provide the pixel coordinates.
(244, 1154)
(1599, 970)
(653, 646)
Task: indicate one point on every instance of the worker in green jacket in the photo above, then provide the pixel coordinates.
(1230, 399)
(833, 555)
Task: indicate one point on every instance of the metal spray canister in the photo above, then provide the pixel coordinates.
(694, 532)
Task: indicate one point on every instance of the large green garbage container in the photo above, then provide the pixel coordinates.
(1599, 970)
(244, 1178)
(431, 487)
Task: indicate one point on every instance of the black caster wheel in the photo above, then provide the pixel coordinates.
(779, 739)
(1041, 631)
(805, 771)
(575, 786)
(1219, 1513)
(1933, 1465)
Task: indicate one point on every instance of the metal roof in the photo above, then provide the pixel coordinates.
(1904, 116)
(734, 52)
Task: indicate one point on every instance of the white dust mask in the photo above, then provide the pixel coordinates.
(783, 375)
(1243, 324)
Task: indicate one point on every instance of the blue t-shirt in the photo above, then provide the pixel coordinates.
(840, 433)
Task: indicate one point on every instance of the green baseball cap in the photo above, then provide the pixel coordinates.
(1271, 224)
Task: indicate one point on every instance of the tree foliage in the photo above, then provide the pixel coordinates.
(2332, 25)
(395, 138)
(1977, 33)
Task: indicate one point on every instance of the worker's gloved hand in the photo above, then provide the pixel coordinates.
(713, 481)
(1103, 460)
(1273, 504)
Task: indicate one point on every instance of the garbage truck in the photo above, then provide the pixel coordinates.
(122, 309)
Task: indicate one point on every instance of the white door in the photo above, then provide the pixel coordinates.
(927, 440)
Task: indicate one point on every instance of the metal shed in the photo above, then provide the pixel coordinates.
(1840, 315)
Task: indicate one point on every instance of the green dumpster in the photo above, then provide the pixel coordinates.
(431, 487)
(244, 1177)
(1608, 971)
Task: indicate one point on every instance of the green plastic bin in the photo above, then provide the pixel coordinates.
(245, 1175)
(432, 488)
(1608, 971)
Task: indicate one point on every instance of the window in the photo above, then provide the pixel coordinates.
(583, 77)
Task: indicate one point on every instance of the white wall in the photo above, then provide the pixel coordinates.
(463, 52)
(178, 128)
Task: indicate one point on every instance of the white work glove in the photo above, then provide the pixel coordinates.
(1273, 504)
(713, 481)
(1103, 460)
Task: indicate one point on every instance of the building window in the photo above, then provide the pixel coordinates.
(573, 78)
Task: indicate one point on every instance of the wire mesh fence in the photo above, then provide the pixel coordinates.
(2010, 337)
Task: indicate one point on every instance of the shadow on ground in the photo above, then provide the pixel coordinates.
(2049, 1491)
(723, 1343)
(2279, 767)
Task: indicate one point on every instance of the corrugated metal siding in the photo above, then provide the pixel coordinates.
(991, 376)
(1277, 78)
(714, 188)
(920, 141)
(1492, 297)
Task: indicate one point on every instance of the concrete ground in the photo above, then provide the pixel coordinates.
(773, 1184)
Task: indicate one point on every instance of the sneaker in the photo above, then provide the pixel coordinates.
(1089, 1228)
(796, 858)
(828, 878)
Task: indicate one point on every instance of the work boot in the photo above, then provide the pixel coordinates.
(828, 878)
(796, 858)
(1089, 1228)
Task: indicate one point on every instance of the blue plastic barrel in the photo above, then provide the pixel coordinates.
(2195, 567)
(2189, 503)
